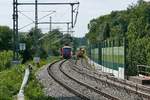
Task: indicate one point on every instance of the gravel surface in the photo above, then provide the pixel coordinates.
(76, 86)
(52, 88)
(124, 94)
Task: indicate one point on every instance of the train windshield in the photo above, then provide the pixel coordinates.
(67, 50)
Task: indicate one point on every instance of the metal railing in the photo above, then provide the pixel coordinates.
(143, 69)
(20, 95)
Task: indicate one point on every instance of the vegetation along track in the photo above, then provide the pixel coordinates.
(82, 90)
(114, 85)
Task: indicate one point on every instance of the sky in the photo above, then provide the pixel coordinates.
(88, 10)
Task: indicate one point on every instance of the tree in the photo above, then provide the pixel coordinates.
(52, 42)
(5, 38)
(67, 39)
(132, 24)
(106, 31)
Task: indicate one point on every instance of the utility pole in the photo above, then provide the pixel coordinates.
(15, 23)
(67, 28)
(15, 31)
(50, 24)
(72, 7)
(50, 30)
(36, 29)
(72, 15)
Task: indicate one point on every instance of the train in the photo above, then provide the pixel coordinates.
(66, 52)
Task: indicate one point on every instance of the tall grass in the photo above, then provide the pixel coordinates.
(11, 79)
(5, 59)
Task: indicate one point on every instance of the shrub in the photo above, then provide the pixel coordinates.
(5, 62)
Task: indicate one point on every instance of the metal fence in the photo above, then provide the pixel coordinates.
(109, 53)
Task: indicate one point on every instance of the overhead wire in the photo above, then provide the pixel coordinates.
(76, 9)
(26, 16)
(25, 26)
(46, 15)
(76, 16)
(61, 17)
(33, 20)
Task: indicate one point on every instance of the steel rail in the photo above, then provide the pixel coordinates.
(63, 84)
(129, 83)
(90, 87)
(115, 83)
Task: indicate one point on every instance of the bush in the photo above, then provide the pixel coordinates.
(11, 80)
(34, 91)
(5, 62)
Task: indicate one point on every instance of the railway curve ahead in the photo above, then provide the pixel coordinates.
(79, 88)
(105, 83)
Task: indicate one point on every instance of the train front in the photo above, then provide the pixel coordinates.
(66, 52)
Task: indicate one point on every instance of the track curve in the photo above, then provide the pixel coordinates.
(81, 86)
(111, 82)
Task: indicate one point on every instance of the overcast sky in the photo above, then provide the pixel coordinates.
(88, 10)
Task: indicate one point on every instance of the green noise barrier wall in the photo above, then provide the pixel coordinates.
(109, 53)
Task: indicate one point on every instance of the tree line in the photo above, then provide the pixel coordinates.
(132, 24)
(49, 43)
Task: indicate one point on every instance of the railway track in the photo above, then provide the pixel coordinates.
(118, 84)
(79, 88)
(58, 80)
(129, 84)
(136, 86)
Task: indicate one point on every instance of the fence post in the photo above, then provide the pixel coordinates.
(109, 56)
(100, 53)
(125, 57)
(113, 53)
(118, 55)
(105, 56)
(89, 53)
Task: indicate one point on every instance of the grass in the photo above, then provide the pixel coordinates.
(114, 58)
(5, 60)
(110, 58)
(109, 54)
(11, 79)
(10, 82)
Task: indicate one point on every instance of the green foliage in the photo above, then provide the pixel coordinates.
(106, 32)
(35, 34)
(53, 58)
(11, 80)
(52, 42)
(5, 38)
(56, 40)
(137, 54)
(30, 39)
(5, 62)
(134, 24)
(67, 39)
(78, 42)
(34, 91)
(49, 44)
